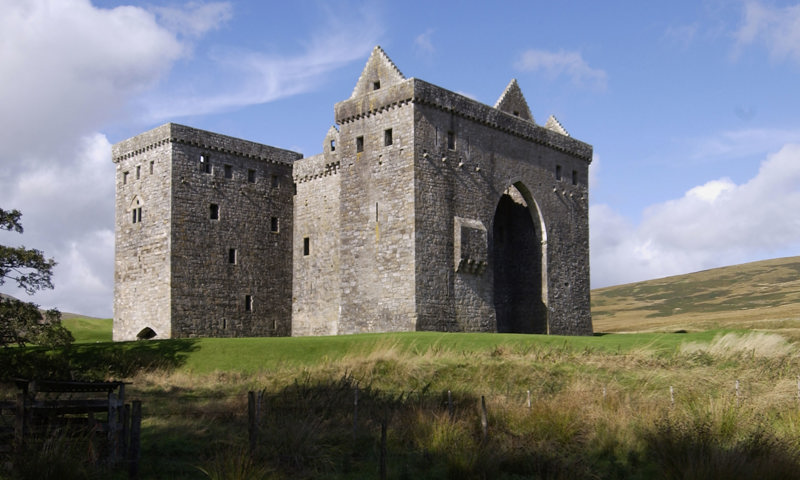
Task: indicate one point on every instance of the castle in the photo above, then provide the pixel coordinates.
(426, 210)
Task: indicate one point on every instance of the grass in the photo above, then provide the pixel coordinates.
(648, 404)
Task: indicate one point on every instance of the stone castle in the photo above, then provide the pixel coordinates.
(426, 210)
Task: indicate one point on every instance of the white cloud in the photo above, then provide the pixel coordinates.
(72, 67)
(194, 18)
(743, 143)
(562, 63)
(715, 224)
(423, 42)
(242, 78)
(776, 28)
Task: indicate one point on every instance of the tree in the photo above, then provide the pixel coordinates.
(22, 322)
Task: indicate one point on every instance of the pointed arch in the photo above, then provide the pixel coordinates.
(136, 210)
(519, 263)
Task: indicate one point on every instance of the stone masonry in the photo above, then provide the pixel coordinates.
(426, 210)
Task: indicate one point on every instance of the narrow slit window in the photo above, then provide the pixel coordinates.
(273, 225)
(138, 172)
(228, 171)
(387, 137)
(574, 177)
(251, 176)
(451, 140)
(152, 166)
(124, 178)
(333, 145)
(558, 172)
(248, 303)
(137, 215)
(213, 211)
(306, 246)
(359, 144)
(232, 256)
(275, 181)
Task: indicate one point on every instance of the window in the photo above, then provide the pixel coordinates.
(138, 172)
(451, 140)
(205, 164)
(213, 211)
(251, 176)
(275, 181)
(232, 256)
(124, 178)
(574, 177)
(387, 137)
(248, 303)
(333, 145)
(224, 323)
(359, 144)
(136, 212)
(228, 171)
(306, 246)
(152, 166)
(558, 172)
(376, 85)
(273, 225)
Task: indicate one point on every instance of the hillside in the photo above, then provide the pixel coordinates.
(761, 295)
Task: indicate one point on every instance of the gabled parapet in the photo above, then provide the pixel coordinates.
(513, 101)
(555, 126)
(380, 72)
(417, 91)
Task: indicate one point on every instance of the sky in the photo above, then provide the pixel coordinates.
(692, 108)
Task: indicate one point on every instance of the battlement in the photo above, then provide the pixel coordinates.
(420, 92)
(314, 167)
(213, 142)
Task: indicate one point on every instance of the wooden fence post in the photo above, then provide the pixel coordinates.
(484, 419)
(133, 451)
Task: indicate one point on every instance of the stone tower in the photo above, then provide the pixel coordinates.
(203, 227)
(426, 210)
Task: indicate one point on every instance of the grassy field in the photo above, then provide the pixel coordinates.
(650, 403)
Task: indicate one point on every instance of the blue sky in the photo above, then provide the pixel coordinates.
(692, 108)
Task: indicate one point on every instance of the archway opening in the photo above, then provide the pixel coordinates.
(146, 334)
(518, 270)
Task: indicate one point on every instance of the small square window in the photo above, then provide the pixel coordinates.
(273, 225)
(124, 178)
(232, 256)
(213, 211)
(376, 85)
(451, 140)
(228, 171)
(205, 164)
(306, 246)
(387, 137)
(558, 172)
(251, 176)
(359, 144)
(248, 303)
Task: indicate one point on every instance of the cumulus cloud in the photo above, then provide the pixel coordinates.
(562, 63)
(715, 224)
(775, 28)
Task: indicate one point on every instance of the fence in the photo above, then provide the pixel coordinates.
(89, 410)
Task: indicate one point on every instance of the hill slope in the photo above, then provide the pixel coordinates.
(761, 295)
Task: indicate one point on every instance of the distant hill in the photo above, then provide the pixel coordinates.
(759, 295)
(64, 315)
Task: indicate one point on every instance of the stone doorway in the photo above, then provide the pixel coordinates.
(519, 273)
